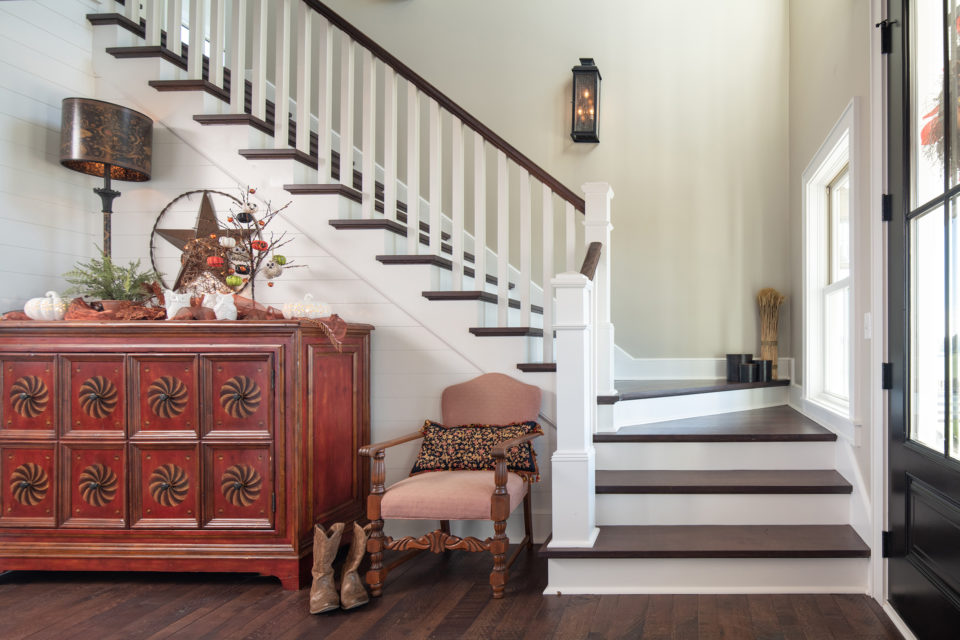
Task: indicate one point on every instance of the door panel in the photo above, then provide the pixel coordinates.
(27, 398)
(165, 397)
(28, 495)
(237, 393)
(924, 477)
(96, 396)
(94, 485)
(238, 486)
(165, 486)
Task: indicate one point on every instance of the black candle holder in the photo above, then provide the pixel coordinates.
(734, 360)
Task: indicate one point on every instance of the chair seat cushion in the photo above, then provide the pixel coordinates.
(448, 495)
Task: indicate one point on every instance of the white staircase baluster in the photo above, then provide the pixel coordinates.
(154, 17)
(347, 90)
(456, 233)
(281, 78)
(597, 228)
(526, 248)
(324, 101)
(548, 273)
(303, 75)
(389, 143)
(436, 177)
(132, 11)
(217, 15)
(503, 239)
(413, 169)
(369, 141)
(174, 22)
(570, 234)
(258, 69)
(238, 55)
(479, 213)
(197, 32)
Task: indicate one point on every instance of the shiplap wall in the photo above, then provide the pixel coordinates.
(49, 215)
(52, 220)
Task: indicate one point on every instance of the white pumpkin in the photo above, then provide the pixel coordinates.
(306, 308)
(50, 307)
(228, 242)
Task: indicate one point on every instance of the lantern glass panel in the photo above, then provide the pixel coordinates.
(585, 104)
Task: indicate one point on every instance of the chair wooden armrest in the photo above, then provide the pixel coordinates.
(371, 450)
(499, 451)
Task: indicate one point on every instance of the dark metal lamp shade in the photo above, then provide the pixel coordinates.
(104, 139)
(585, 126)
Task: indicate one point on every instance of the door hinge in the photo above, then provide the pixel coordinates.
(886, 207)
(886, 375)
(886, 35)
(273, 502)
(885, 544)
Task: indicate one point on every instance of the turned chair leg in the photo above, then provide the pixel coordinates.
(377, 573)
(528, 519)
(445, 526)
(498, 547)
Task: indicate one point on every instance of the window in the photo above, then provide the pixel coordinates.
(828, 206)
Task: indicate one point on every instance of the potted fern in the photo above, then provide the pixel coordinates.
(102, 279)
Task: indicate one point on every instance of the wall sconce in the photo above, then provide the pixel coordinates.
(103, 139)
(585, 126)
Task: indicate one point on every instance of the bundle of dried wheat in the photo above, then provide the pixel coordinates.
(769, 301)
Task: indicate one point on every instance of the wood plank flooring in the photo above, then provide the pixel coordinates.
(429, 597)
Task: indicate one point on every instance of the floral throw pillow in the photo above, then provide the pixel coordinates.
(467, 448)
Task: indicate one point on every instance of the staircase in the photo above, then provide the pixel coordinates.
(741, 494)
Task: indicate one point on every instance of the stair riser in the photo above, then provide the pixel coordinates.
(715, 455)
(707, 575)
(629, 412)
(724, 509)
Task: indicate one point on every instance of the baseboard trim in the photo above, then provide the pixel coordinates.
(627, 367)
(898, 621)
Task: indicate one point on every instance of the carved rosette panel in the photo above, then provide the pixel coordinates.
(98, 485)
(240, 397)
(167, 397)
(29, 484)
(241, 485)
(98, 397)
(169, 485)
(29, 396)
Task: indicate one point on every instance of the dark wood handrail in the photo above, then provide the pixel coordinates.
(447, 103)
(591, 260)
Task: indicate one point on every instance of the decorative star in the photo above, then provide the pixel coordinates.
(207, 225)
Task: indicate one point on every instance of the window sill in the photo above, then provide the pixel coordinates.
(832, 415)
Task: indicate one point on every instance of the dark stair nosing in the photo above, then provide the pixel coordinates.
(151, 51)
(771, 424)
(826, 481)
(436, 261)
(191, 85)
(387, 225)
(719, 541)
(694, 388)
(335, 188)
(537, 367)
(234, 118)
(492, 332)
(482, 296)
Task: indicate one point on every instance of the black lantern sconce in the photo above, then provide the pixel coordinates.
(585, 126)
(103, 139)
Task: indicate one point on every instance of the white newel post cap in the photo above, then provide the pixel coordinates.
(573, 300)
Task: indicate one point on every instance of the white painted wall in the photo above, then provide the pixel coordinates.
(829, 65)
(693, 140)
(49, 215)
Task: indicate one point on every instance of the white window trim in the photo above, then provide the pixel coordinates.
(839, 149)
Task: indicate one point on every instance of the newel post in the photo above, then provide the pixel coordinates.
(597, 196)
(573, 463)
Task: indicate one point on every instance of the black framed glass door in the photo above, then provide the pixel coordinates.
(924, 315)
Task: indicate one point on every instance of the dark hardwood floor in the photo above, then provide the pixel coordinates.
(429, 597)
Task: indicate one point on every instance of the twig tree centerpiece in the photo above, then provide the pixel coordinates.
(769, 301)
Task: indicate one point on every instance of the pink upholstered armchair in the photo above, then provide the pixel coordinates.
(490, 399)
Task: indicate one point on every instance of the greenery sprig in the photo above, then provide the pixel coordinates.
(102, 279)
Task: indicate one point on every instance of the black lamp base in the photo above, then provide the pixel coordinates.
(107, 196)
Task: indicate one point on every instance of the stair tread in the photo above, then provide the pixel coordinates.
(506, 331)
(721, 481)
(436, 261)
(537, 367)
(644, 389)
(770, 424)
(719, 541)
(483, 296)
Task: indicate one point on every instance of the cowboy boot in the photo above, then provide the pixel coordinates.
(323, 591)
(352, 593)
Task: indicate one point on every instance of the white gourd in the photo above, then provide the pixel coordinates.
(306, 308)
(50, 307)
